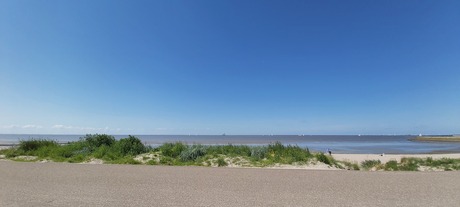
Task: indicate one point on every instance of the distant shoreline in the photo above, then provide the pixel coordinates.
(345, 144)
(436, 139)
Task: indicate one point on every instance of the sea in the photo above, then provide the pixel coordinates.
(347, 144)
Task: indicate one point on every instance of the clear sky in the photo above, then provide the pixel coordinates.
(235, 67)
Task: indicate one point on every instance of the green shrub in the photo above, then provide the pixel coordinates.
(11, 152)
(77, 159)
(130, 146)
(279, 153)
(111, 155)
(368, 164)
(221, 162)
(446, 161)
(429, 160)
(409, 164)
(166, 161)
(65, 152)
(97, 140)
(192, 153)
(172, 149)
(350, 165)
(259, 152)
(35, 144)
(152, 162)
(321, 157)
(355, 166)
(391, 165)
(230, 150)
(125, 160)
(101, 152)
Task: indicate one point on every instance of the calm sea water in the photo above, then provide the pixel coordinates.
(337, 143)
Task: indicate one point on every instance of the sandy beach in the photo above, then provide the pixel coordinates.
(358, 158)
(61, 184)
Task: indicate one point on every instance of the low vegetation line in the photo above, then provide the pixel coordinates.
(437, 139)
(102, 148)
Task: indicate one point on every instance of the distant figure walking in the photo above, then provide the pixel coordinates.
(329, 151)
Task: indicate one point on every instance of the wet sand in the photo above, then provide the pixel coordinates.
(61, 184)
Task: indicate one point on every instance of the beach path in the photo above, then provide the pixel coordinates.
(61, 184)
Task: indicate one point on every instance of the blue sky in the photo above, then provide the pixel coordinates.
(235, 67)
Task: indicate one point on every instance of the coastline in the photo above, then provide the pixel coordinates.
(436, 139)
(100, 149)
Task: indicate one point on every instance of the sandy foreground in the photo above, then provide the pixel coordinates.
(62, 184)
(358, 158)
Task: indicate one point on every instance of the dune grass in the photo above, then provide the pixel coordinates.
(98, 146)
(369, 164)
(182, 154)
(131, 150)
(413, 164)
(124, 151)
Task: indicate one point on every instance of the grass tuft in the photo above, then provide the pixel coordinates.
(221, 162)
(368, 164)
(321, 157)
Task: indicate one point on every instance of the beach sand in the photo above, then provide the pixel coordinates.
(358, 158)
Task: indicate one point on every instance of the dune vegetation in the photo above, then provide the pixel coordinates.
(131, 150)
(102, 148)
(413, 164)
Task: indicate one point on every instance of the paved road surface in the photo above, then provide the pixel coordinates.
(60, 184)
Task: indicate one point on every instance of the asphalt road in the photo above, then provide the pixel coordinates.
(60, 184)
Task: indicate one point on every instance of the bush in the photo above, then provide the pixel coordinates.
(278, 153)
(125, 160)
(192, 153)
(350, 165)
(323, 158)
(152, 162)
(392, 165)
(355, 166)
(97, 140)
(221, 162)
(101, 152)
(35, 144)
(259, 152)
(172, 149)
(409, 164)
(368, 164)
(77, 159)
(130, 146)
(231, 150)
(166, 161)
(11, 152)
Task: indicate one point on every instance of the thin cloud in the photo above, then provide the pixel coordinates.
(83, 129)
(31, 126)
(60, 126)
(10, 126)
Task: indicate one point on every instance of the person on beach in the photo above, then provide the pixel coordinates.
(329, 151)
